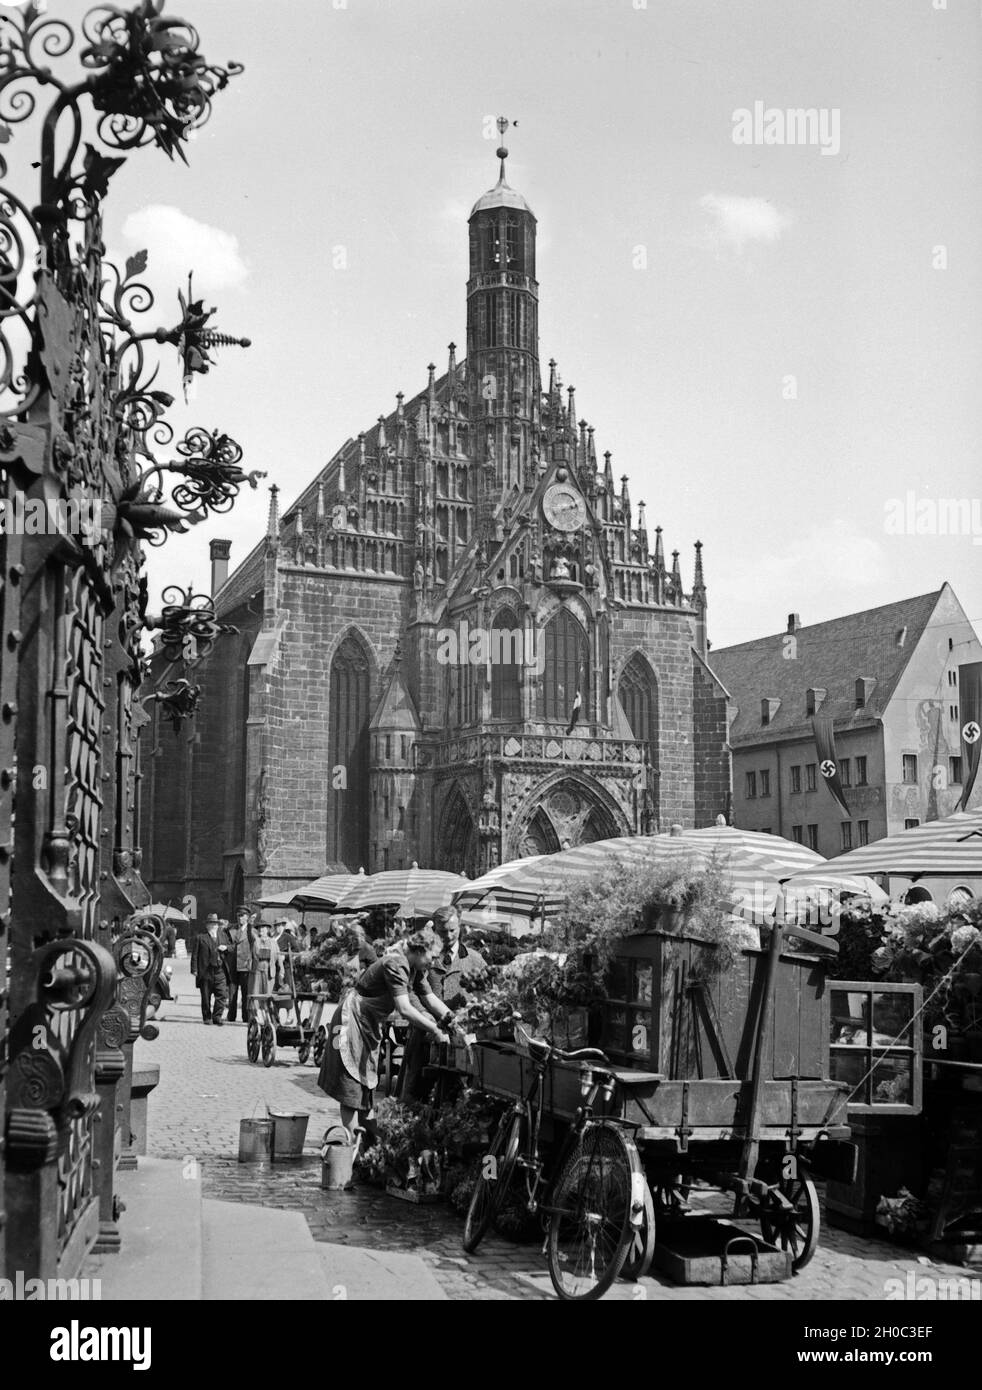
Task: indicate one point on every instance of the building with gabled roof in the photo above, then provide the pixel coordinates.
(457, 646)
(889, 679)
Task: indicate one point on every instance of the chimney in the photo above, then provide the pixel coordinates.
(218, 554)
(794, 622)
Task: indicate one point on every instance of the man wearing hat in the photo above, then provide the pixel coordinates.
(238, 962)
(209, 972)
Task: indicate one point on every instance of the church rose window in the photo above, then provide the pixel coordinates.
(567, 669)
(638, 691)
(347, 830)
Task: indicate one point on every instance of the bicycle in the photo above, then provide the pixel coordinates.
(600, 1211)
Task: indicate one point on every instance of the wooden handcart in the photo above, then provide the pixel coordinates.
(724, 1078)
(305, 1030)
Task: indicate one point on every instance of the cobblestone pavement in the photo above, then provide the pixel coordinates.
(207, 1085)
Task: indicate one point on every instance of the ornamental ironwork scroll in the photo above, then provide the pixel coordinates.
(83, 421)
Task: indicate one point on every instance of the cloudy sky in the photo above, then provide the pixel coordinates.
(775, 341)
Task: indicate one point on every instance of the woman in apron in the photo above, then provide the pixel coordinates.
(267, 963)
(349, 1072)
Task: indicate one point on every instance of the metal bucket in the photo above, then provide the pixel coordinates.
(255, 1141)
(337, 1160)
(289, 1132)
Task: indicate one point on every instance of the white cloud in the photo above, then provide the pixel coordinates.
(733, 221)
(177, 243)
(835, 549)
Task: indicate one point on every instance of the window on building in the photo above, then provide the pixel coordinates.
(638, 692)
(751, 785)
(765, 711)
(492, 335)
(813, 699)
(511, 243)
(798, 834)
(954, 771)
(507, 640)
(876, 1044)
(862, 828)
(953, 713)
(861, 773)
(796, 778)
(810, 769)
(864, 688)
(912, 823)
(846, 833)
(813, 837)
(845, 770)
(348, 715)
(765, 782)
(910, 767)
(952, 678)
(567, 670)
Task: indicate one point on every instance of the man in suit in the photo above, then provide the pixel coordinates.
(209, 972)
(238, 963)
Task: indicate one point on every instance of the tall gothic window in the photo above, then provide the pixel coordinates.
(567, 669)
(348, 715)
(638, 691)
(506, 670)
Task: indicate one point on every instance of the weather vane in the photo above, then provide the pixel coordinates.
(501, 152)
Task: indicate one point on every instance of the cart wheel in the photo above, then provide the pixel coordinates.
(268, 1040)
(642, 1248)
(796, 1230)
(303, 1052)
(320, 1042)
(252, 1041)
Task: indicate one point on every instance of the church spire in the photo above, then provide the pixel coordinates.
(273, 521)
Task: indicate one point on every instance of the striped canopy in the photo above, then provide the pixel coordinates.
(413, 892)
(784, 856)
(540, 885)
(949, 846)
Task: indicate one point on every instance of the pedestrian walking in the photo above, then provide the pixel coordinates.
(349, 1072)
(238, 963)
(209, 972)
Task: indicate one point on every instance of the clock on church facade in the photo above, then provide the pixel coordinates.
(414, 631)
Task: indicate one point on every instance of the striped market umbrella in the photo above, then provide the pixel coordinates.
(949, 846)
(784, 856)
(540, 885)
(328, 890)
(413, 892)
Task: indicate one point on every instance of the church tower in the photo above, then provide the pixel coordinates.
(502, 335)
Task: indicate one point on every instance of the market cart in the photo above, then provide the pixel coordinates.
(304, 1029)
(723, 1074)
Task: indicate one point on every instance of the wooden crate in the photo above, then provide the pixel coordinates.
(654, 1019)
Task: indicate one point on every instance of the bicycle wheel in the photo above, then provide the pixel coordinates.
(641, 1250)
(491, 1188)
(590, 1231)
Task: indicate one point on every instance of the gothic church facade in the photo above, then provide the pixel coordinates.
(458, 646)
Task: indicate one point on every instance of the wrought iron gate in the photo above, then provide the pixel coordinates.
(80, 433)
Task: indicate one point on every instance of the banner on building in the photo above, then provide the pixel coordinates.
(970, 713)
(828, 763)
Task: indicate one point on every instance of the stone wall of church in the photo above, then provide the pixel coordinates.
(665, 638)
(713, 770)
(317, 610)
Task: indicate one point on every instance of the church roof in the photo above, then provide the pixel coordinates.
(396, 711)
(876, 643)
(501, 196)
